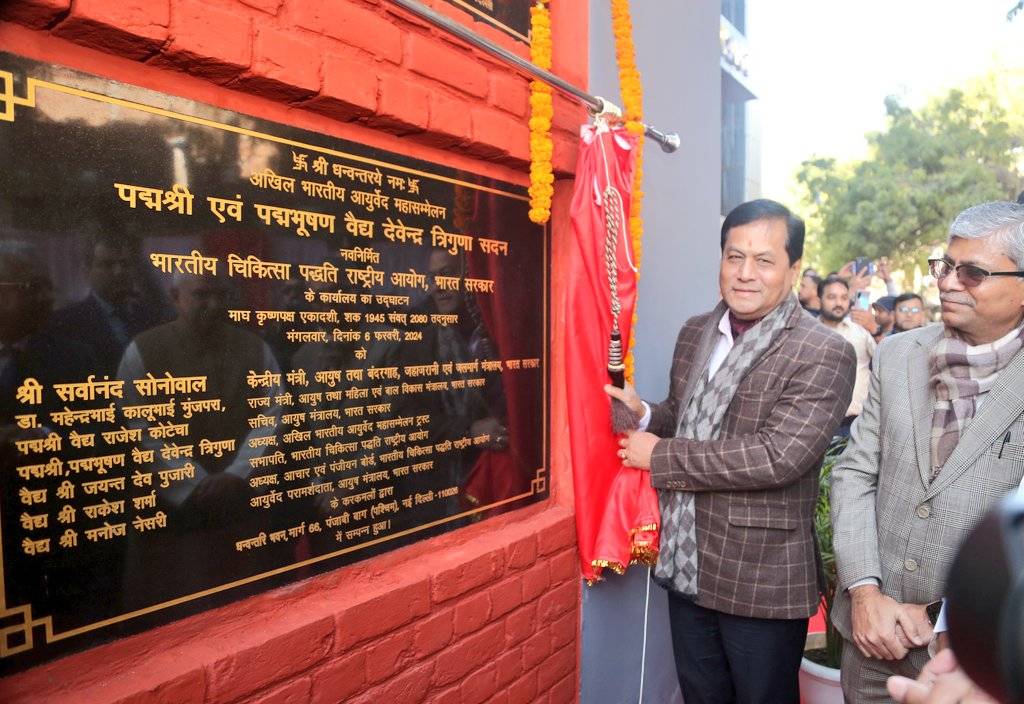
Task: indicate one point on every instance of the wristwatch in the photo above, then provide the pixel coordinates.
(933, 610)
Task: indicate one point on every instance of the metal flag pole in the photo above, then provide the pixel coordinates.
(669, 141)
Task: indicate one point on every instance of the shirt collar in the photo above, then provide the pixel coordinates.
(725, 328)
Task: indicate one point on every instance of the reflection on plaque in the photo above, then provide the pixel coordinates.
(234, 353)
(510, 16)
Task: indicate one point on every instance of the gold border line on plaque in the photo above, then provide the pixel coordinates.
(547, 338)
(538, 484)
(490, 20)
(8, 100)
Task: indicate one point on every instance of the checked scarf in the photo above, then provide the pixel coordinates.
(701, 420)
(959, 374)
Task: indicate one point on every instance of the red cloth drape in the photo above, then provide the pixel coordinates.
(511, 318)
(616, 507)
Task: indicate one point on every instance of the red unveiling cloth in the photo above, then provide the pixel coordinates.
(616, 507)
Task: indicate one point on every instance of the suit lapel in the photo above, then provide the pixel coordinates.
(708, 342)
(791, 322)
(1002, 405)
(921, 405)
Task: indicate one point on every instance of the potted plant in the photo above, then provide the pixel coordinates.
(819, 671)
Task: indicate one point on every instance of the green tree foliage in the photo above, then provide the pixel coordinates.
(923, 168)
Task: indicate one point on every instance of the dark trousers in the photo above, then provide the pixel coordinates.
(726, 659)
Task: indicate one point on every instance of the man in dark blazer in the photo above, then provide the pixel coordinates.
(756, 391)
(940, 440)
(111, 315)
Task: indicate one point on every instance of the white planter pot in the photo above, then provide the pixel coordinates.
(819, 684)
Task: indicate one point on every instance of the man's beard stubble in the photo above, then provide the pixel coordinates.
(831, 315)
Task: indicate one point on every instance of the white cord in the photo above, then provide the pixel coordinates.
(643, 650)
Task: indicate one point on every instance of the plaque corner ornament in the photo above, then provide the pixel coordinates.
(8, 99)
(17, 637)
(540, 481)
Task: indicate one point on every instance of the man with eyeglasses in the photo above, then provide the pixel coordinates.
(940, 439)
(908, 313)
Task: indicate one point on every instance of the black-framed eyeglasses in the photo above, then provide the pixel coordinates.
(909, 309)
(968, 274)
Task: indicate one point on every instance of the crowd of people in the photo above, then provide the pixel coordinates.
(889, 314)
(761, 385)
(841, 301)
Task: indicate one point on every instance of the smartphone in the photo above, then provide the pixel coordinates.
(863, 301)
(863, 265)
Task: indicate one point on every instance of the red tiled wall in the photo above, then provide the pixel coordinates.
(486, 613)
(489, 615)
(351, 60)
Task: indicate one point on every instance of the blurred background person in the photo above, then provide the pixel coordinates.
(486, 472)
(111, 314)
(885, 274)
(834, 294)
(808, 292)
(877, 319)
(32, 348)
(29, 345)
(884, 320)
(908, 313)
(210, 511)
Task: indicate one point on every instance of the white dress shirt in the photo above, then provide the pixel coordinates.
(718, 355)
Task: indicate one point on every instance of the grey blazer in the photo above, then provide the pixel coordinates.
(889, 521)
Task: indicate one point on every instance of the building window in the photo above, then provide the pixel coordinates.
(734, 154)
(736, 12)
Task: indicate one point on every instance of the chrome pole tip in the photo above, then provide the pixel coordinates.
(670, 143)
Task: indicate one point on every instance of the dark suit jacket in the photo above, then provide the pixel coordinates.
(50, 359)
(756, 486)
(86, 323)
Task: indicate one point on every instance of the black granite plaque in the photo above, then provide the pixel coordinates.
(234, 353)
(510, 16)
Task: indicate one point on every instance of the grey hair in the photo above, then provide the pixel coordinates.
(1001, 220)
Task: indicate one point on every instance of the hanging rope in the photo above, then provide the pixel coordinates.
(613, 225)
(611, 201)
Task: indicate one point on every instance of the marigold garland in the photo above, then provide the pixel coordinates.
(542, 178)
(632, 103)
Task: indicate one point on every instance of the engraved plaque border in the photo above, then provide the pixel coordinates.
(18, 624)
